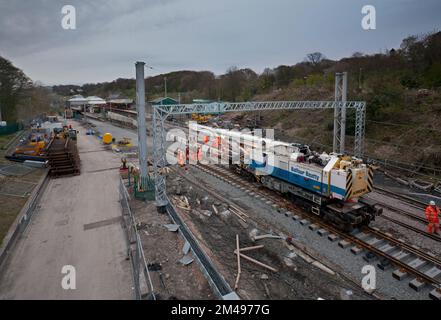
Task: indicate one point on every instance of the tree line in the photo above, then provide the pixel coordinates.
(21, 99)
(416, 64)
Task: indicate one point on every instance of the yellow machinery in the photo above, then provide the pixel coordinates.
(122, 145)
(34, 146)
(200, 118)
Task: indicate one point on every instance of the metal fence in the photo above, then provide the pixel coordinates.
(10, 128)
(141, 277)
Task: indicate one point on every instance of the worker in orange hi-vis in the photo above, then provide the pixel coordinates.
(432, 215)
(181, 158)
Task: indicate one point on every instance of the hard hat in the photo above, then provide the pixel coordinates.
(432, 203)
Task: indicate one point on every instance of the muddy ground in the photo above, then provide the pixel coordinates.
(163, 250)
(295, 278)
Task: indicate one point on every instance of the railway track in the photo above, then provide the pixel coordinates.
(409, 200)
(307, 255)
(419, 205)
(409, 259)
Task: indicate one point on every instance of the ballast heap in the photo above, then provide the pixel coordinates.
(328, 185)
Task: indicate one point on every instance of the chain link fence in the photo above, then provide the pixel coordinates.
(141, 277)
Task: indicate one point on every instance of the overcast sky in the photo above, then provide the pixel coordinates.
(211, 35)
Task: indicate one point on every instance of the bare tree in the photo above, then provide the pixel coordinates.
(357, 54)
(315, 58)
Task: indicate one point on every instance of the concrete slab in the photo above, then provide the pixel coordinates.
(333, 237)
(314, 227)
(400, 255)
(435, 294)
(295, 217)
(172, 227)
(356, 250)
(186, 248)
(384, 264)
(304, 222)
(231, 296)
(370, 257)
(399, 274)
(417, 284)
(322, 232)
(417, 263)
(374, 241)
(386, 248)
(433, 272)
(186, 260)
(344, 244)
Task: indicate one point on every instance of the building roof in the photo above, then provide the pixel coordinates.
(203, 101)
(95, 100)
(164, 101)
(121, 101)
(77, 98)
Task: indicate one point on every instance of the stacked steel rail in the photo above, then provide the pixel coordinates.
(63, 157)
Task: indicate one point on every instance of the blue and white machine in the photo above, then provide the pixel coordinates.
(328, 185)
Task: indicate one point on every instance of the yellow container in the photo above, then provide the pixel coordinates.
(107, 138)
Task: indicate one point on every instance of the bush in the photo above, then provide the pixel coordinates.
(410, 81)
(433, 76)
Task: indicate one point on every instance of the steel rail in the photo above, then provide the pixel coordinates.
(415, 202)
(360, 242)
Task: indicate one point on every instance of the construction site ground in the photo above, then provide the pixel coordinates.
(271, 219)
(163, 249)
(346, 265)
(77, 223)
(77, 226)
(295, 278)
(16, 184)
